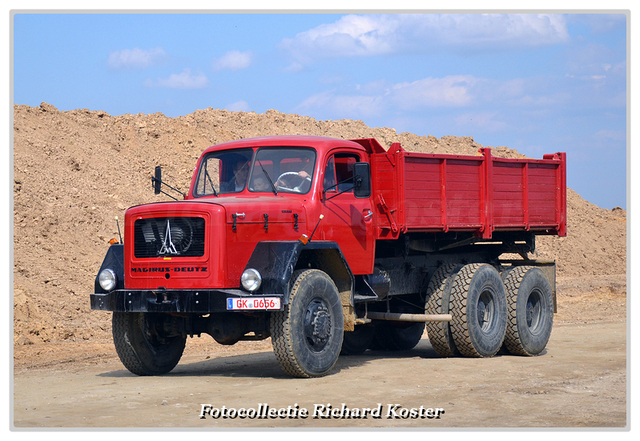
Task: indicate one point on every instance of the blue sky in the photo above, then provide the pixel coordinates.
(539, 83)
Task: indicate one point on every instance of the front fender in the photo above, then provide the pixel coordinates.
(276, 262)
(114, 260)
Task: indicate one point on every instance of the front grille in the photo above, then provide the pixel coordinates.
(169, 237)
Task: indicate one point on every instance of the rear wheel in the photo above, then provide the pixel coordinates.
(397, 336)
(530, 310)
(357, 341)
(307, 335)
(147, 343)
(478, 310)
(438, 299)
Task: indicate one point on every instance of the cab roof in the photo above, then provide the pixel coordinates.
(320, 143)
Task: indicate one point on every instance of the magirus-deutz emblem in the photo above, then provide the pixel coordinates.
(167, 245)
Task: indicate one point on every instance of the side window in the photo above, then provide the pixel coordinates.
(330, 177)
(338, 176)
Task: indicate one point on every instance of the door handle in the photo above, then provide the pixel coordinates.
(368, 214)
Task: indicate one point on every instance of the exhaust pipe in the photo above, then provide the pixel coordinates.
(409, 317)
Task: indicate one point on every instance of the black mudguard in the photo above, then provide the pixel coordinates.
(276, 262)
(115, 261)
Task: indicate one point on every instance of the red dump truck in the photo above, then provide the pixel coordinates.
(331, 247)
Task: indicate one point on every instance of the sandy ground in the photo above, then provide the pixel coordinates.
(579, 381)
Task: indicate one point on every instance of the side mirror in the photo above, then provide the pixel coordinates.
(157, 180)
(361, 180)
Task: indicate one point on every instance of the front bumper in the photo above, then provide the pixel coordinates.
(181, 301)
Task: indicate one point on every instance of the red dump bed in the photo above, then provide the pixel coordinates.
(417, 192)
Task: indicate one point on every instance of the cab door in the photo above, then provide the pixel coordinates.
(348, 220)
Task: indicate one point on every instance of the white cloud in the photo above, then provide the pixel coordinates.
(450, 91)
(294, 67)
(331, 78)
(601, 23)
(485, 121)
(485, 103)
(379, 97)
(591, 59)
(541, 98)
(184, 80)
(136, 58)
(369, 35)
(233, 60)
(614, 135)
(352, 35)
(239, 106)
(490, 31)
(347, 106)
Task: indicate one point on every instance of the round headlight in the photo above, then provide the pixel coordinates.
(251, 279)
(107, 279)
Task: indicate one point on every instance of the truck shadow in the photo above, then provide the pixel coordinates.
(265, 364)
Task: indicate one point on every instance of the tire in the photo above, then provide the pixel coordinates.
(142, 349)
(438, 302)
(479, 311)
(307, 335)
(530, 310)
(379, 342)
(389, 336)
(357, 341)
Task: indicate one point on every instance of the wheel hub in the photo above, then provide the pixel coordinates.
(485, 311)
(533, 311)
(317, 325)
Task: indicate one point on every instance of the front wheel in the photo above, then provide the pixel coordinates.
(307, 335)
(147, 343)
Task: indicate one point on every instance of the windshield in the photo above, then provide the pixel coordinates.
(286, 170)
(274, 169)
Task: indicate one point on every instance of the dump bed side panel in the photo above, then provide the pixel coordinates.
(443, 193)
(530, 194)
(416, 192)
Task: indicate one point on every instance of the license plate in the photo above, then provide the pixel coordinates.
(254, 303)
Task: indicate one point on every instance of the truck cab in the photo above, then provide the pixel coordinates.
(257, 212)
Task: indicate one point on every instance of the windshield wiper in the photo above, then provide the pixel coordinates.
(273, 186)
(206, 173)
